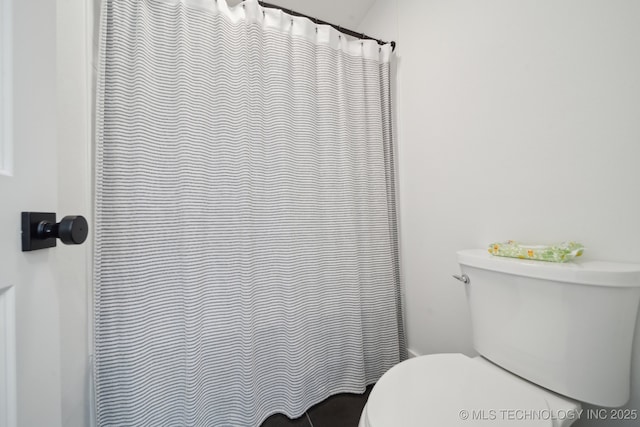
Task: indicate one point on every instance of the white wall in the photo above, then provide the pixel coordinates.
(517, 120)
(74, 91)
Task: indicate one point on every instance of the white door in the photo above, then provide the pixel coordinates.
(35, 349)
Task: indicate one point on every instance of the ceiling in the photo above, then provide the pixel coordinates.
(346, 13)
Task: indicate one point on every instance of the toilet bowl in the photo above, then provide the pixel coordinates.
(549, 337)
(455, 390)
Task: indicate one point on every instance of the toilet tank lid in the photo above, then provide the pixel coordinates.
(597, 273)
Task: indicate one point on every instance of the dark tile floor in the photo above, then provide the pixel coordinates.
(341, 410)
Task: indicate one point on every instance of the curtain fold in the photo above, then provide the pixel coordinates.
(246, 254)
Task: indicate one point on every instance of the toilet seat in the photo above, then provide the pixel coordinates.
(435, 390)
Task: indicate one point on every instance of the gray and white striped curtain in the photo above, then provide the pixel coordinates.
(246, 256)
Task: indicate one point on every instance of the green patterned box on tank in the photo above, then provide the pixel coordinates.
(562, 252)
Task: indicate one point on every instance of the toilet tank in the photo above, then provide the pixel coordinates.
(566, 327)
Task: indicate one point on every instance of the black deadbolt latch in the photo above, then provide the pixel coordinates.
(40, 230)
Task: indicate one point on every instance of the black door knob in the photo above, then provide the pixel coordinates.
(41, 230)
(72, 230)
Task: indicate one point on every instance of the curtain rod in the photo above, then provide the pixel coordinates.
(321, 22)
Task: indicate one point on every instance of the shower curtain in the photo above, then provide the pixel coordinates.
(246, 253)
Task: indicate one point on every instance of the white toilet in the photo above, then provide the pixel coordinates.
(550, 336)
